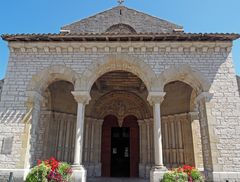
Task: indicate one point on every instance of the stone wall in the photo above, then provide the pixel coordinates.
(238, 82)
(168, 61)
(1, 86)
(121, 15)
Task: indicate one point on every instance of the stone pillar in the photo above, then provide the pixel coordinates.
(197, 144)
(31, 119)
(208, 137)
(82, 99)
(141, 164)
(155, 99)
(98, 139)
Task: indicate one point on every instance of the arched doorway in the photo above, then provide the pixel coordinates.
(120, 147)
(118, 107)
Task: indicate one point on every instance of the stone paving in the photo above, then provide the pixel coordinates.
(100, 179)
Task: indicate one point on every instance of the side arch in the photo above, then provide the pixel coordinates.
(118, 62)
(186, 74)
(44, 78)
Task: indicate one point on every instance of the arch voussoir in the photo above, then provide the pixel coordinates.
(118, 62)
(186, 74)
(41, 80)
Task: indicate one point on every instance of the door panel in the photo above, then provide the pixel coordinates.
(131, 122)
(120, 152)
(109, 122)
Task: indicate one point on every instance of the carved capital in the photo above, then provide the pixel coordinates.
(100, 122)
(206, 96)
(140, 122)
(156, 97)
(193, 116)
(33, 98)
(81, 96)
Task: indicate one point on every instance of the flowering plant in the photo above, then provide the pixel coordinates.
(183, 174)
(50, 170)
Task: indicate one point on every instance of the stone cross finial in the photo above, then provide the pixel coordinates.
(120, 2)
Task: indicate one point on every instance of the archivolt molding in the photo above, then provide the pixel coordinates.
(121, 104)
(185, 74)
(44, 78)
(118, 62)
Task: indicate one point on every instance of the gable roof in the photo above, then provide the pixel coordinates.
(138, 21)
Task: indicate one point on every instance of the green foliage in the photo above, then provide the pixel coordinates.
(196, 175)
(50, 171)
(175, 176)
(64, 170)
(183, 174)
(38, 174)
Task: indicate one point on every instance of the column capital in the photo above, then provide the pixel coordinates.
(193, 115)
(34, 97)
(81, 96)
(206, 96)
(140, 122)
(156, 97)
(100, 121)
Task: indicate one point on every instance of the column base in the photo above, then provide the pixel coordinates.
(156, 173)
(79, 173)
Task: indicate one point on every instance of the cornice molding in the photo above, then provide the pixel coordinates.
(119, 47)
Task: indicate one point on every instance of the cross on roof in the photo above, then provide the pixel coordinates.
(120, 2)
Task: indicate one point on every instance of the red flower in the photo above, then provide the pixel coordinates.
(39, 162)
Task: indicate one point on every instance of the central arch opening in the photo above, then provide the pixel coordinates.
(118, 107)
(122, 160)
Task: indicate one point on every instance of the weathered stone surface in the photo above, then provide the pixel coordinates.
(129, 20)
(1, 85)
(7, 145)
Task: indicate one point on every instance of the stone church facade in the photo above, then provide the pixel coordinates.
(121, 94)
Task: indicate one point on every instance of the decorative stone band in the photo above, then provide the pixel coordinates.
(82, 96)
(144, 47)
(206, 96)
(156, 97)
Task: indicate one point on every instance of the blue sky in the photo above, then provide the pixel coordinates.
(47, 16)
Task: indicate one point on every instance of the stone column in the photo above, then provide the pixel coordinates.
(155, 99)
(141, 165)
(82, 99)
(99, 123)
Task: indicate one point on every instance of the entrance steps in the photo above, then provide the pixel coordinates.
(103, 179)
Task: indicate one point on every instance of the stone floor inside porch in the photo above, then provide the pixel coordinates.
(103, 179)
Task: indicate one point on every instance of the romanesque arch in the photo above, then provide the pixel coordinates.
(44, 78)
(187, 74)
(118, 62)
(38, 95)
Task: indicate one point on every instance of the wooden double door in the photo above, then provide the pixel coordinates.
(120, 147)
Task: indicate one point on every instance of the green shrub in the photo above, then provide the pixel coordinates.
(183, 174)
(38, 174)
(175, 176)
(50, 171)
